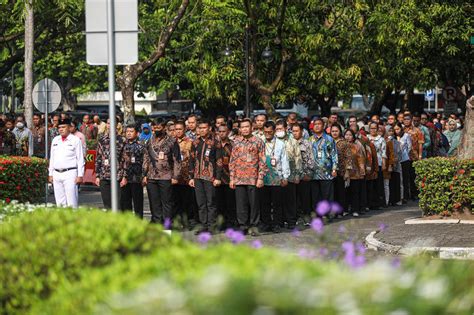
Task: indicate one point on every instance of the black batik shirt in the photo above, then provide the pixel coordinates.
(133, 152)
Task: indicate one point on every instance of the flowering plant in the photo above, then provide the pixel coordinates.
(22, 178)
(446, 185)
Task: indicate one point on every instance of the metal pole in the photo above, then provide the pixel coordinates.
(436, 97)
(12, 105)
(247, 85)
(46, 134)
(113, 129)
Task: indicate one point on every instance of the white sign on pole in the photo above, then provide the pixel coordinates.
(125, 31)
(46, 96)
(429, 95)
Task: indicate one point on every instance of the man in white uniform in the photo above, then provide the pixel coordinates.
(66, 166)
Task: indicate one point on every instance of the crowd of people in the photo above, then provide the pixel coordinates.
(255, 175)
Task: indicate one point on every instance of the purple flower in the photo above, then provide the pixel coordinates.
(396, 262)
(351, 258)
(361, 248)
(382, 227)
(336, 208)
(167, 224)
(317, 225)
(323, 208)
(235, 237)
(323, 251)
(342, 229)
(296, 233)
(204, 237)
(257, 244)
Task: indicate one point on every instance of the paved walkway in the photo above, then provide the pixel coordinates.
(391, 220)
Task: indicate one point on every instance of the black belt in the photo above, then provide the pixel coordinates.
(62, 170)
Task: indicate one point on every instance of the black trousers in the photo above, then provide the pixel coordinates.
(206, 200)
(406, 179)
(132, 192)
(321, 190)
(226, 204)
(289, 203)
(373, 200)
(413, 187)
(272, 206)
(159, 195)
(303, 191)
(355, 194)
(247, 204)
(184, 204)
(340, 192)
(394, 185)
(105, 193)
(379, 188)
(364, 200)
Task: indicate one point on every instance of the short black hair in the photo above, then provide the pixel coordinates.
(134, 126)
(281, 122)
(269, 124)
(338, 127)
(298, 125)
(180, 122)
(203, 121)
(160, 122)
(245, 120)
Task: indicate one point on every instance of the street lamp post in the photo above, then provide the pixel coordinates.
(267, 56)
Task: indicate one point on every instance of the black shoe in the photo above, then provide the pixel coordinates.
(291, 226)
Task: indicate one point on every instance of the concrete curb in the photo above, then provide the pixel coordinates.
(438, 252)
(440, 221)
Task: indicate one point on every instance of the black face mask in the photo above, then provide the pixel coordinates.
(235, 131)
(159, 133)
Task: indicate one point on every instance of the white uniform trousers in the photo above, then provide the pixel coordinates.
(65, 188)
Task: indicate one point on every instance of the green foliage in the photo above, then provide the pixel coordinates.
(445, 185)
(227, 279)
(22, 178)
(40, 250)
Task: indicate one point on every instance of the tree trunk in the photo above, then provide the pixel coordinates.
(29, 48)
(379, 101)
(466, 147)
(126, 81)
(128, 101)
(69, 101)
(267, 104)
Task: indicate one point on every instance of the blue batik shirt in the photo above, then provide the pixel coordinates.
(325, 156)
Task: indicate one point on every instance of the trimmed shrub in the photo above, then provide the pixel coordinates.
(43, 248)
(228, 279)
(446, 185)
(22, 178)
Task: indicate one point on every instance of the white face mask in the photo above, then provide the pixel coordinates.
(280, 134)
(20, 125)
(458, 125)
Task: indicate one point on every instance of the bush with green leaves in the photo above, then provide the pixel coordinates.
(22, 178)
(40, 250)
(227, 279)
(446, 185)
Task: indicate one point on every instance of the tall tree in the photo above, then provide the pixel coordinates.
(29, 49)
(127, 78)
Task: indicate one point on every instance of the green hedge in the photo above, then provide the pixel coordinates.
(40, 250)
(22, 178)
(227, 279)
(446, 185)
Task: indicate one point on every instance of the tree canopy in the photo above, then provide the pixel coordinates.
(321, 51)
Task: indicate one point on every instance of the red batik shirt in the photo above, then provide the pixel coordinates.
(247, 162)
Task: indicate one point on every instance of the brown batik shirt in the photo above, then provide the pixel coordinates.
(204, 162)
(162, 159)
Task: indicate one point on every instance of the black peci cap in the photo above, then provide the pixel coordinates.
(64, 122)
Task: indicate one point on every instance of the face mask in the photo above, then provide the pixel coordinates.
(159, 133)
(280, 134)
(20, 125)
(458, 125)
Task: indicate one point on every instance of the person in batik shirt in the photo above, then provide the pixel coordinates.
(247, 169)
(275, 180)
